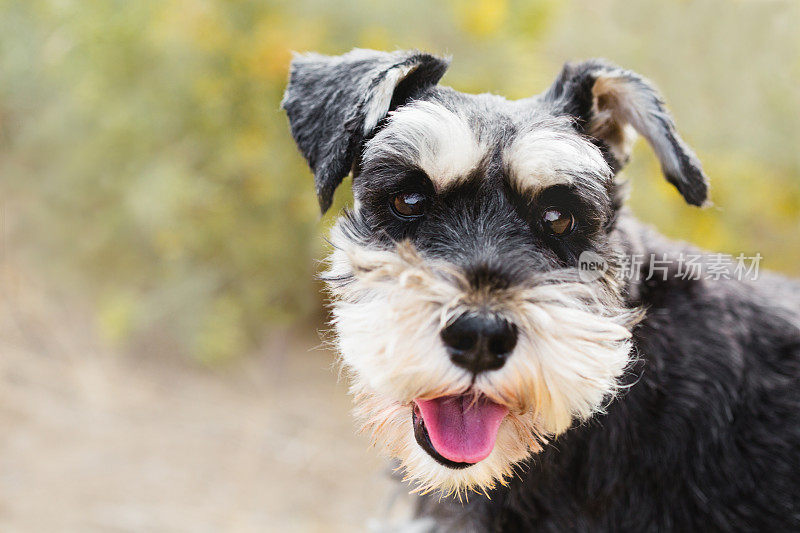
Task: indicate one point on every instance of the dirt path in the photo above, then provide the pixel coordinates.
(94, 441)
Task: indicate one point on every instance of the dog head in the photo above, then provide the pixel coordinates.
(457, 303)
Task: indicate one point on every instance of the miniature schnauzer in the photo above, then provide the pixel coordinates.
(485, 364)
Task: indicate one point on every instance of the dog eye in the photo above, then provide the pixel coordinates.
(409, 205)
(558, 221)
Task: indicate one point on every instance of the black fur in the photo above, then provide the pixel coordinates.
(571, 94)
(707, 438)
(327, 101)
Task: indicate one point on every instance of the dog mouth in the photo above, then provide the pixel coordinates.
(457, 431)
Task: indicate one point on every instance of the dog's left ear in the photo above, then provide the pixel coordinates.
(611, 104)
(334, 103)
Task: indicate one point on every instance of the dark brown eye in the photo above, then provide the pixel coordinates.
(558, 221)
(409, 205)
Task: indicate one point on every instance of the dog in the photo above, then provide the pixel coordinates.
(517, 390)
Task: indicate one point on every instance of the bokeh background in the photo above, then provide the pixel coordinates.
(160, 366)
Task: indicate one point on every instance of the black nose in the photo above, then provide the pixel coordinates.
(479, 342)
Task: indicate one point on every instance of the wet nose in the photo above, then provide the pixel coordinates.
(479, 342)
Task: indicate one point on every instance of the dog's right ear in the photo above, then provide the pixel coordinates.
(610, 105)
(335, 102)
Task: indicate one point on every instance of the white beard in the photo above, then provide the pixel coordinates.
(388, 310)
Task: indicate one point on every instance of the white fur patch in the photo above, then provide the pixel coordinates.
(437, 140)
(389, 307)
(378, 104)
(546, 156)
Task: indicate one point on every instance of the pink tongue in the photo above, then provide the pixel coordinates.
(461, 429)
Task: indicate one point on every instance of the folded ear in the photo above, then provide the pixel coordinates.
(611, 105)
(334, 103)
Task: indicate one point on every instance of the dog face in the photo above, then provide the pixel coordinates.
(457, 305)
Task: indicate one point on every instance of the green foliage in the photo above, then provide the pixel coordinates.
(145, 161)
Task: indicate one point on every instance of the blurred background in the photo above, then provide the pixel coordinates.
(160, 362)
